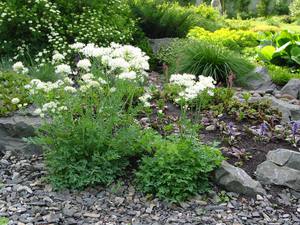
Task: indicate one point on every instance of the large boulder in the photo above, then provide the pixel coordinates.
(235, 179)
(289, 111)
(282, 167)
(261, 81)
(292, 88)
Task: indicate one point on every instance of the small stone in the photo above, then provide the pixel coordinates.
(259, 198)
(210, 128)
(91, 215)
(24, 188)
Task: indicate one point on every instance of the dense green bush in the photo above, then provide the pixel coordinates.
(233, 39)
(295, 8)
(162, 19)
(281, 75)
(12, 87)
(179, 169)
(204, 58)
(27, 27)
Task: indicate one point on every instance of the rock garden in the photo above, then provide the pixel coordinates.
(149, 112)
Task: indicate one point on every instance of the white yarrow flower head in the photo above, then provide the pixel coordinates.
(57, 57)
(18, 67)
(15, 101)
(77, 46)
(128, 75)
(63, 69)
(84, 64)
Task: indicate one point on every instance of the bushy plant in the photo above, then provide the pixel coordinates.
(295, 8)
(233, 39)
(28, 27)
(281, 49)
(204, 58)
(281, 75)
(163, 19)
(179, 169)
(13, 95)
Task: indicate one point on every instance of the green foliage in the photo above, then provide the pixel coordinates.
(283, 49)
(163, 19)
(4, 221)
(95, 136)
(27, 27)
(281, 75)
(179, 169)
(204, 58)
(295, 8)
(12, 86)
(233, 39)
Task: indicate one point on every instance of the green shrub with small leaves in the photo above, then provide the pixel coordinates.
(12, 87)
(282, 75)
(179, 169)
(34, 28)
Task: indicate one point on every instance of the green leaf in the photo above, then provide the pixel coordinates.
(267, 52)
(295, 54)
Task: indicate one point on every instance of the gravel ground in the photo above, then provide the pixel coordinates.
(25, 198)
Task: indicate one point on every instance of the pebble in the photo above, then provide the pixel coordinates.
(32, 201)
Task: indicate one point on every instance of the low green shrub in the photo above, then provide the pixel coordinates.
(160, 19)
(233, 39)
(13, 95)
(281, 75)
(204, 58)
(179, 169)
(28, 27)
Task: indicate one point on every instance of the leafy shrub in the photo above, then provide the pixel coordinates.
(163, 19)
(233, 39)
(12, 87)
(281, 75)
(283, 49)
(203, 58)
(27, 27)
(179, 169)
(295, 8)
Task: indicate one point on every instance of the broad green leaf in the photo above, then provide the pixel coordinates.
(295, 54)
(267, 52)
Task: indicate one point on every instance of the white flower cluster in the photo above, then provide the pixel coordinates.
(192, 86)
(36, 85)
(63, 69)
(145, 99)
(49, 107)
(18, 67)
(123, 61)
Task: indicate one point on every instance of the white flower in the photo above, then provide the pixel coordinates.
(84, 64)
(38, 111)
(87, 77)
(70, 89)
(15, 101)
(128, 75)
(18, 67)
(63, 69)
(57, 57)
(77, 45)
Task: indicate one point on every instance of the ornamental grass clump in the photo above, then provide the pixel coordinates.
(204, 58)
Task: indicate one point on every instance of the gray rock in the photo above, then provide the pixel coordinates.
(18, 147)
(261, 80)
(289, 111)
(235, 179)
(285, 157)
(157, 44)
(292, 88)
(19, 126)
(270, 173)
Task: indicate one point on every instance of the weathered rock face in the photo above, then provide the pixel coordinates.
(156, 44)
(292, 88)
(12, 131)
(262, 81)
(289, 111)
(237, 180)
(282, 167)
